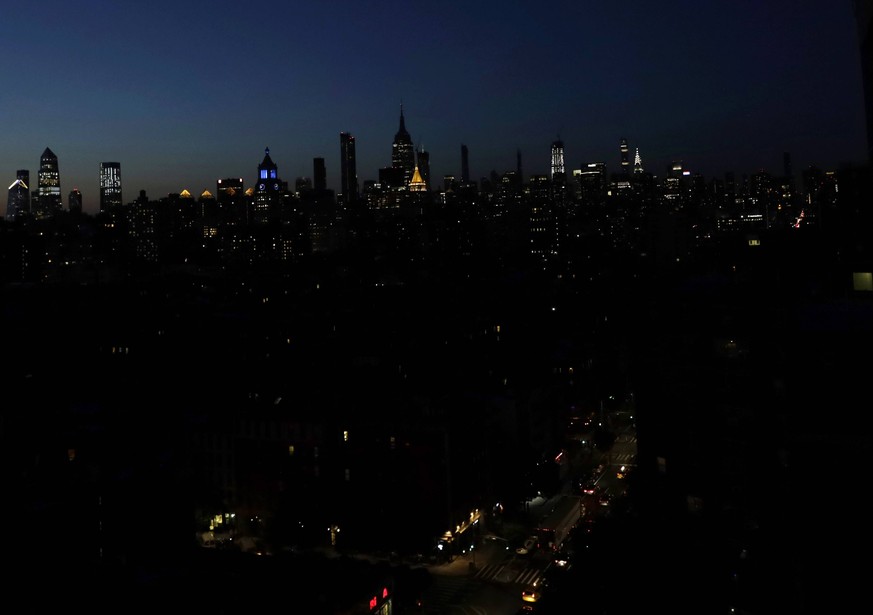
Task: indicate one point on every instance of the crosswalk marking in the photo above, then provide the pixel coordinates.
(502, 574)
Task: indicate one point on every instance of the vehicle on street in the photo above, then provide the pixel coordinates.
(556, 526)
(531, 593)
(528, 547)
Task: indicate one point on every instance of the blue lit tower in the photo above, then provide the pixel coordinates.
(402, 151)
(268, 188)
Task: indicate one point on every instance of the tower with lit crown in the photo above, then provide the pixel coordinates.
(638, 162)
(18, 199)
(267, 189)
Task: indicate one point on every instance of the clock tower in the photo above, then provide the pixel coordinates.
(268, 188)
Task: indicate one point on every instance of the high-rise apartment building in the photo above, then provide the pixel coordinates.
(110, 185)
(402, 151)
(348, 169)
(465, 165)
(49, 201)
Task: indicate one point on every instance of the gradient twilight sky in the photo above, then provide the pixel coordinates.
(182, 93)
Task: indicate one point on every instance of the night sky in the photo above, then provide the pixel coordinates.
(182, 93)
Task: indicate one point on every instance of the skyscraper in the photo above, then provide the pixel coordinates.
(18, 200)
(557, 158)
(20, 204)
(74, 201)
(49, 201)
(625, 160)
(638, 162)
(423, 164)
(319, 175)
(465, 165)
(348, 169)
(110, 185)
(267, 189)
(402, 151)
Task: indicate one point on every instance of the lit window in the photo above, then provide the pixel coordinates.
(862, 280)
(345, 435)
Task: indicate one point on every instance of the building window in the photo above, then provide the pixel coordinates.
(862, 281)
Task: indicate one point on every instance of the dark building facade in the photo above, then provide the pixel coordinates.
(348, 169)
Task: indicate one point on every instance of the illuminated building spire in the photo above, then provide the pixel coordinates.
(638, 162)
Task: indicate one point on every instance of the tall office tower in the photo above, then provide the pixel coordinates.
(592, 183)
(319, 175)
(18, 200)
(518, 176)
(465, 165)
(74, 201)
(638, 162)
(864, 18)
(110, 185)
(625, 161)
(557, 158)
(402, 151)
(267, 189)
(348, 169)
(423, 164)
(49, 200)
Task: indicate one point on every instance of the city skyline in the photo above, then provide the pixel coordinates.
(197, 96)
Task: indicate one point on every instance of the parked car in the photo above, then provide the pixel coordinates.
(529, 546)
